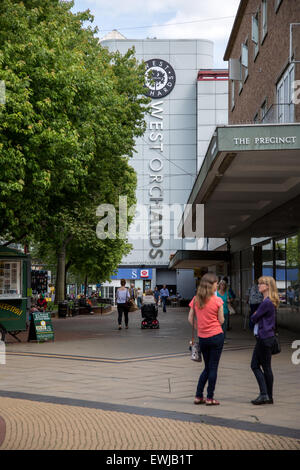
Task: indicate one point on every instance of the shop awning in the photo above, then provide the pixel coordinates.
(189, 259)
(248, 173)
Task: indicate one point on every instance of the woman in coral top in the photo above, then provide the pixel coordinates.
(208, 310)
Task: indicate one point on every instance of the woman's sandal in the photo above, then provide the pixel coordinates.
(211, 402)
(199, 401)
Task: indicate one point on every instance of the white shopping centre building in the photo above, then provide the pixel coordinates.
(189, 99)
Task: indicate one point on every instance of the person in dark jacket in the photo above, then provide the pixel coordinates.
(264, 330)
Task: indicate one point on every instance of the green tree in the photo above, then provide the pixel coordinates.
(68, 104)
(72, 112)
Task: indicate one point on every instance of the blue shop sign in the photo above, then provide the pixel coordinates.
(133, 273)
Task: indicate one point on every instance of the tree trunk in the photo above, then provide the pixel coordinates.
(67, 267)
(60, 275)
(61, 272)
(85, 285)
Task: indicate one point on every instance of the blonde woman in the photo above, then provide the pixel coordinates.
(264, 331)
(208, 310)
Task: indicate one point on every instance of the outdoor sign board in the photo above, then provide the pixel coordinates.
(41, 328)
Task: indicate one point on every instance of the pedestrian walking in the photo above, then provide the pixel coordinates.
(232, 304)
(290, 294)
(164, 294)
(123, 297)
(156, 295)
(255, 298)
(264, 331)
(208, 310)
(139, 297)
(224, 294)
(133, 292)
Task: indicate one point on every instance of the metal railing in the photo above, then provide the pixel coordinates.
(283, 113)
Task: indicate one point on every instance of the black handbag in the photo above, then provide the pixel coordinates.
(276, 348)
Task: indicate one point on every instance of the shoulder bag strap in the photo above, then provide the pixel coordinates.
(276, 326)
(193, 323)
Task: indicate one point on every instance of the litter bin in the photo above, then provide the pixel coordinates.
(63, 309)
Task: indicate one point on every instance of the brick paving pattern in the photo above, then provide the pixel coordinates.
(95, 387)
(46, 426)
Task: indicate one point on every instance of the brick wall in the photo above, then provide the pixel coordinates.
(272, 59)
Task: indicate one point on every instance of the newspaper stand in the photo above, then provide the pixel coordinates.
(14, 299)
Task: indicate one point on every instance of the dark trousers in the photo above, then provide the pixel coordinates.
(211, 349)
(261, 365)
(164, 302)
(122, 308)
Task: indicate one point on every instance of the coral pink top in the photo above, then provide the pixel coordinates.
(207, 317)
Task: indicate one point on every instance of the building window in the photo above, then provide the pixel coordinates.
(285, 105)
(277, 5)
(10, 279)
(232, 95)
(241, 76)
(264, 19)
(263, 111)
(281, 260)
(292, 273)
(280, 268)
(244, 61)
(255, 34)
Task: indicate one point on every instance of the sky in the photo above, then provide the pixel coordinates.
(172, 19)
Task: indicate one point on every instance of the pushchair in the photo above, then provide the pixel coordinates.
(149, 316)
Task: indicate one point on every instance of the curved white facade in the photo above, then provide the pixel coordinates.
(166, 158)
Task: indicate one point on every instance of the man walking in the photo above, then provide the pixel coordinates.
(255, 298)
(164, 294)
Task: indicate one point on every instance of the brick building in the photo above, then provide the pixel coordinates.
(249, 182)
(262, 48)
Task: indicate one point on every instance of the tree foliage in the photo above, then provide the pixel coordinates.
(68, 127)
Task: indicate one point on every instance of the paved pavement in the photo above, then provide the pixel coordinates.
(95, 387)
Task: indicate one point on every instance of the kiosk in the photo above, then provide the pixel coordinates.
(14, 292)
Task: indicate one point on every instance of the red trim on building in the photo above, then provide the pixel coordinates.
(213, 75)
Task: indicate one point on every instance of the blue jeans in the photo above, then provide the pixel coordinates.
(225, 324)
(211, 349)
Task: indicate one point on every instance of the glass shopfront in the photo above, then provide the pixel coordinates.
(280, 258)
(293, 272)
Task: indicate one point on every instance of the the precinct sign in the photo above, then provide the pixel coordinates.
(264, 137)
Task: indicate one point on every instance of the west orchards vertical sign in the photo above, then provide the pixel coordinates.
(160, 81)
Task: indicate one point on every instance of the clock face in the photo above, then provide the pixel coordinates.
(160, 78)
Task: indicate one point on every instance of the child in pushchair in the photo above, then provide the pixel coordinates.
(149, 311)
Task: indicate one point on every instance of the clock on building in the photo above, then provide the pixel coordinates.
(160, 78)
